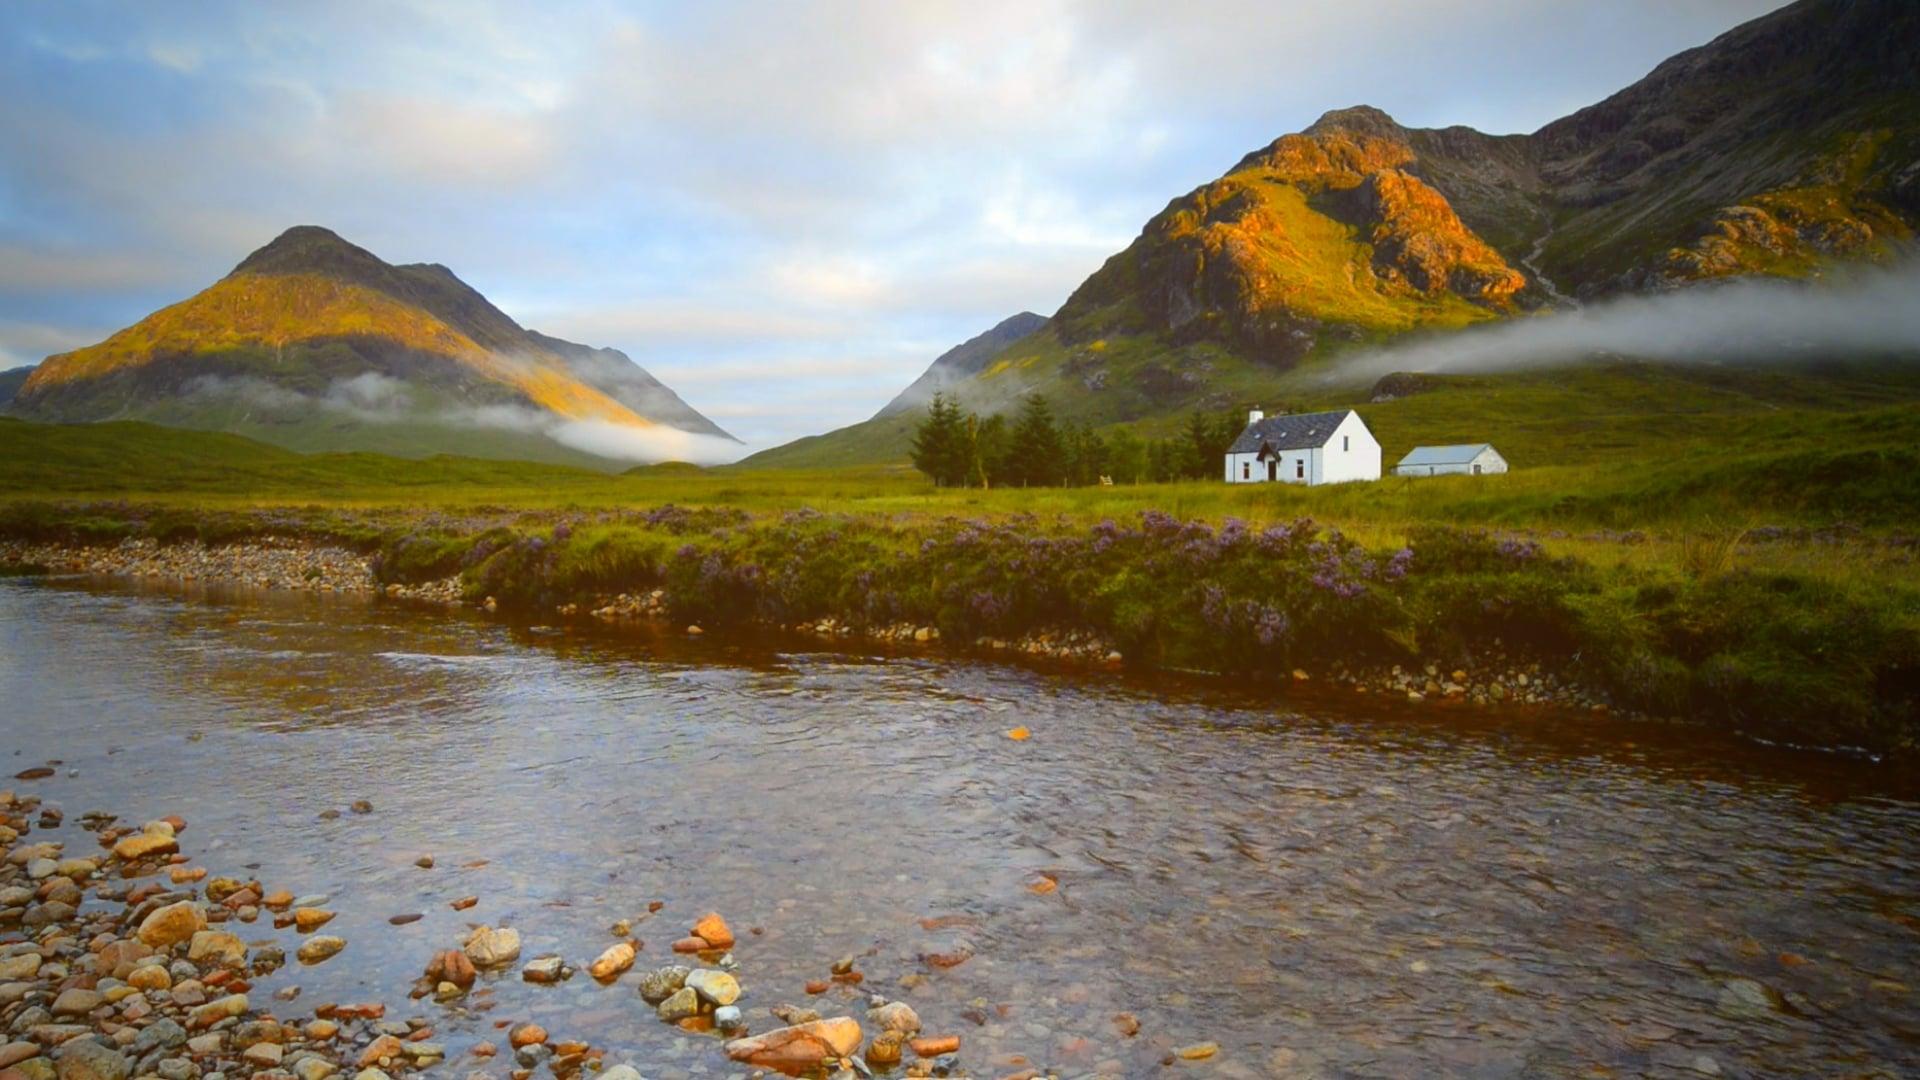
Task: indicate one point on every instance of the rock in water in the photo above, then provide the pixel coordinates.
(320, 947)
(658, 986)
(609, 965)
(217, 947)
(170, 925)
(715, 987)
(801, 1048)
(679, 1005)
(543, 969)
(489, 948)
(713, 930)
(307, 920)
(895, 1016)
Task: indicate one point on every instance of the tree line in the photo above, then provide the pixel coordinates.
(958, 448)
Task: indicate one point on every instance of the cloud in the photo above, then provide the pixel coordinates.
(1749, 321)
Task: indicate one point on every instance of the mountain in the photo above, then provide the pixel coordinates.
(314, 343)
(963, 361)
(10, 383)
(1787, 146)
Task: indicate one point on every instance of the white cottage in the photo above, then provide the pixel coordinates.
(1475, 458)
(1304, 448)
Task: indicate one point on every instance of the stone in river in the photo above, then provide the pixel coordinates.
(895, 1016)
(318, 948)
(1198, 1051)
(451, 966)
(217, 947)
(885, 1049)
(935, 1045)
(693, 944)
(308, 919)
(277, 900)
(544, 969)
(793, 1015)
(463, 903)
(215, 1011)
(488, 947)
(170, 925)
(727, 1018)
(14, 1053)
(621, 1072)
(141, 845)
(681, 1004)
(801, 1048)
(384, 1050)
(714, 931)
(424, 862)
(264, 1053)
(658, 986)
(85, 1059)
(528, 1034)
(716, 987)
(617, 958)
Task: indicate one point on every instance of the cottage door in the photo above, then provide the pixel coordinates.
(1273, 469)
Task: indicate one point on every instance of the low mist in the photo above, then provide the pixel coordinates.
(372, 398)
(1751, 321)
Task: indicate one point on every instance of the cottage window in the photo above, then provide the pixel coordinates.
(1346, 443)
(1246, 471)
(1300, 469)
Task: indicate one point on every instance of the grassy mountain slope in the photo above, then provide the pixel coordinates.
(315, 343)
(1786, 146)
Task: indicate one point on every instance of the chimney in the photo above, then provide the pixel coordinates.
(1254, 416)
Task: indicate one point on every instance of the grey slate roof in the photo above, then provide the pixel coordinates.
(1290, 431)
(1459, 454)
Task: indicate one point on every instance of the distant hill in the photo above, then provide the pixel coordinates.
(316, 344)
(1785, 147)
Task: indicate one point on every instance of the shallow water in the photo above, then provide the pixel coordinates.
(1338, 890)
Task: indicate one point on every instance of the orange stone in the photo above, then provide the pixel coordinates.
(464, 903)
(935, 1045)
(1019, 734)
(690, 945)
(714, 930)
(817, 986)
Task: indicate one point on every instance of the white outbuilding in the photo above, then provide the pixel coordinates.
(1473, 458)
(1304, 448)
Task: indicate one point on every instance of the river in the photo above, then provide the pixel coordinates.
(1320, 890)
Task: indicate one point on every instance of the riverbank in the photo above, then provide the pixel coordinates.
(1449, 614)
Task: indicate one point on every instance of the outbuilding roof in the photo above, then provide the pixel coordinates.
(1459, 454)
(1291, 431)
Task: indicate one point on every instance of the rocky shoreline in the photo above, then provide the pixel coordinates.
(294, 564)
(133, 962)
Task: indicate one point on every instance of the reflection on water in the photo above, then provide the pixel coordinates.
(1322, 894)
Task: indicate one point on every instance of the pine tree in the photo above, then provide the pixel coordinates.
(1037, 457)
(939, 448)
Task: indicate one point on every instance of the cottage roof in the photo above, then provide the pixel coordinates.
(1290, 431)
(1459, 454)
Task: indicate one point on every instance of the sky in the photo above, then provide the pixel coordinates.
(784, 210)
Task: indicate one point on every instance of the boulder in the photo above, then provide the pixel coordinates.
(799, 1049)
(142, 845)
(713, 930)
(217, 947)
(168, 926)
(680, 1005)
(318, 948)
(658, 986)
(488, 947)
(895, 1016)
(714, 987)
(306, 919)
(85, 1059)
